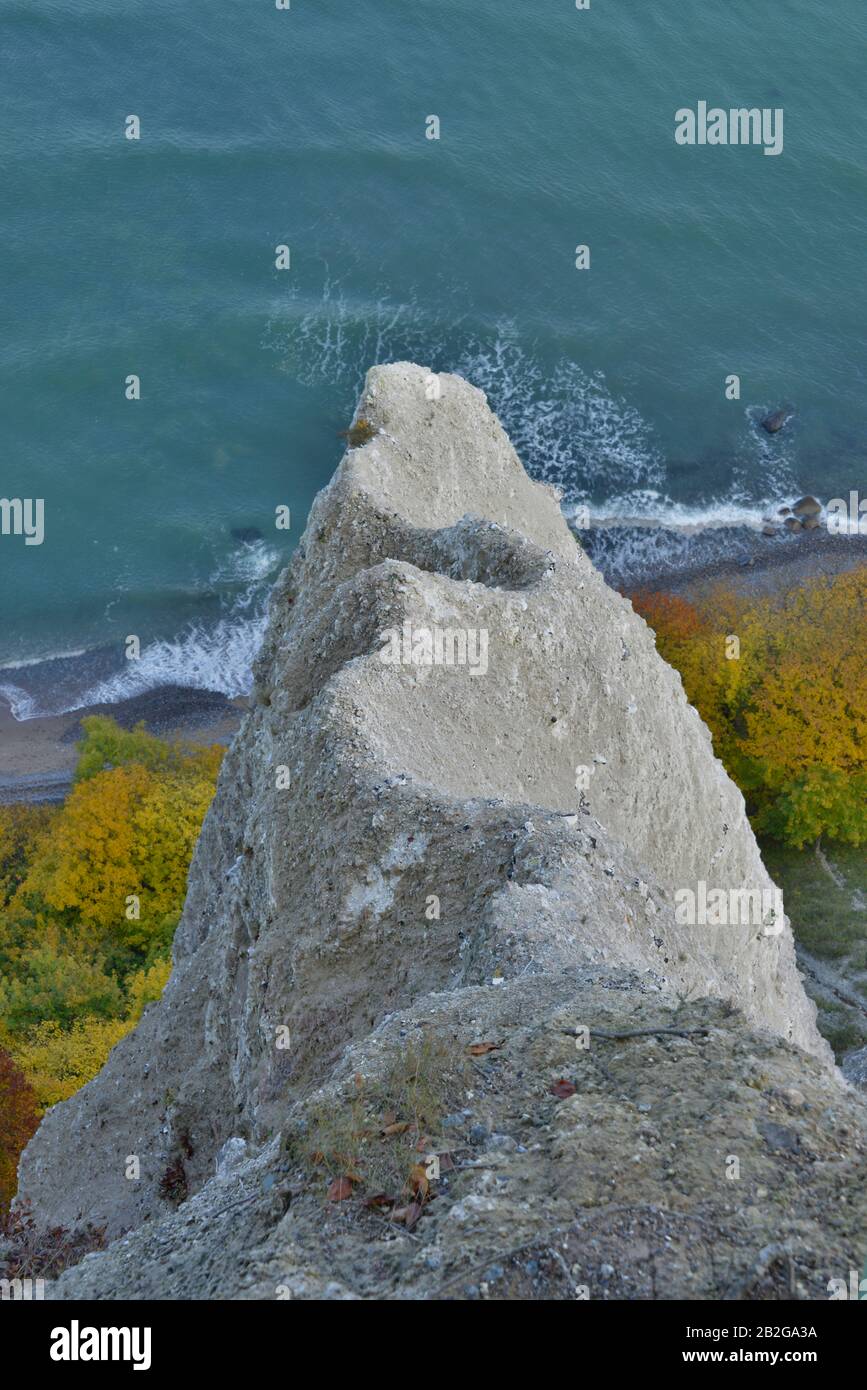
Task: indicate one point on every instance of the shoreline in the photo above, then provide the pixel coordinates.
(37, 756)
(774, 565)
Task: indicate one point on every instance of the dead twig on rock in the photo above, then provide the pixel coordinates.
(637, 1033)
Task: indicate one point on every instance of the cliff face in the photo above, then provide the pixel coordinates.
(396, 838)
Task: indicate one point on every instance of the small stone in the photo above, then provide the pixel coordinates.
(478, 1134)
(778, 1138)
(795, 1098)
(807, 506)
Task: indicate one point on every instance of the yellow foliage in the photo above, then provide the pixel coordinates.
(58, 1062)
(146, 986)
(789, 713)
(810, 707)
(124, 834)
(88, 891)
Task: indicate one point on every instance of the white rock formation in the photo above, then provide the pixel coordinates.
(432, 838)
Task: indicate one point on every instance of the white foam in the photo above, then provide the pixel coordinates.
(251, 564)
(40, 660)
(21, 705)
(653, 511)
(565, 422)
(219, 658)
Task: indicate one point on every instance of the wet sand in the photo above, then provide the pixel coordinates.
(37, 756)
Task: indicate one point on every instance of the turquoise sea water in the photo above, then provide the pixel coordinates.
(307, 127)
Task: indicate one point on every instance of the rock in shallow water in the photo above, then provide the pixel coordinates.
(774, 422)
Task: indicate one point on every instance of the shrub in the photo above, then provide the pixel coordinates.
(34, 1252)
(18, 1120)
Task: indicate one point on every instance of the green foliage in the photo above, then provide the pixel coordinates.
(48, 985)
(824, 907)
(105, 745)
(818, 801)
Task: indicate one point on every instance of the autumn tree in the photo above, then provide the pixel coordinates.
(786, 701)
(47, 984)
(21, 830)
(57, 1061)
(114, 868)
(18, 1120)
(90, 896)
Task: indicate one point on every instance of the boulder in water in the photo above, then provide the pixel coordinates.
(774, 422)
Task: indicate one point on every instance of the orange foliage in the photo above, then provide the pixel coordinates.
(18, 1121)
(668, 613)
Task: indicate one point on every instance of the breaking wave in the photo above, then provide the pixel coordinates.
(213, 656)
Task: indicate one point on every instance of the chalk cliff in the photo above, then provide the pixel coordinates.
(405, 859)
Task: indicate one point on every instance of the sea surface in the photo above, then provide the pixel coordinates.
(307, 127)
